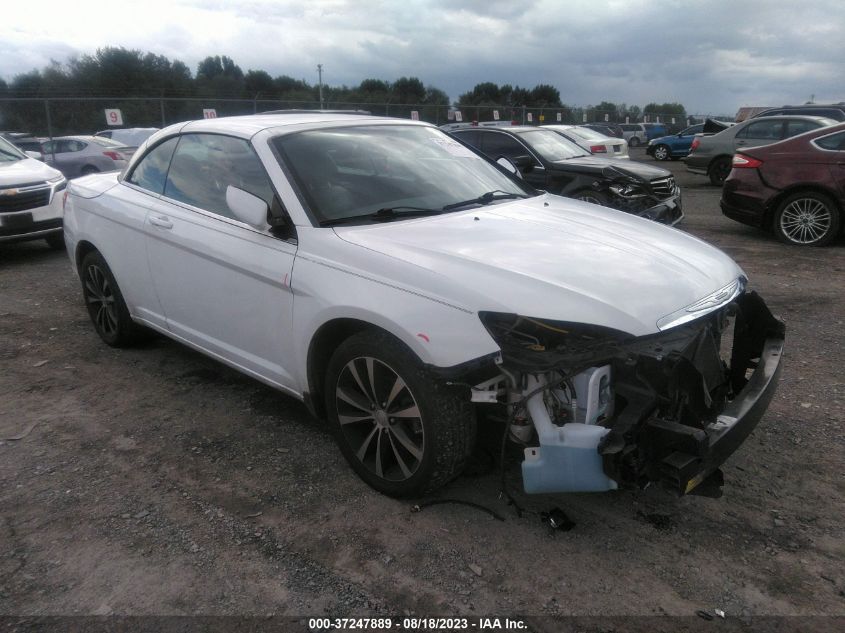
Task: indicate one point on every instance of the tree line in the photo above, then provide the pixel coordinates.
(160, 87)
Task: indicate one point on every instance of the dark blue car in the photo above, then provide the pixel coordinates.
(674, 146)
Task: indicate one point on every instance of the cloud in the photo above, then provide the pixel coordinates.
(712, 56)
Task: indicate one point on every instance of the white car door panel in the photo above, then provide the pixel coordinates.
(224, 287)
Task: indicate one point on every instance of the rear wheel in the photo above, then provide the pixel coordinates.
(661, 152)
(634, 141)
(807, 218)
(105, 303)
(719, 170)
(402, 429)
(89, 169)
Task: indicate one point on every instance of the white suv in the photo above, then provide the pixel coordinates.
(634, 133)
(30, 207)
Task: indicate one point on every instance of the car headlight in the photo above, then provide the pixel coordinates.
(627, 190)
(58, 183)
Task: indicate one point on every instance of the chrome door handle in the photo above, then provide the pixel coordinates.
(161, 221)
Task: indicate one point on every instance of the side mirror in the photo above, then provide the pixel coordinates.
(508, 164)
(35, 155)
(524, 163)
(246, 207)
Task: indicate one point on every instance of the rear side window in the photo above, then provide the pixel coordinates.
(835, 142)
(794, 128)
(150, 173)
(762, 129)
(204, 165)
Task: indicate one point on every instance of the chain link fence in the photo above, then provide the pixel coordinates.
(77, 115)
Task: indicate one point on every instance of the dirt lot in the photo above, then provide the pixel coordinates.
(156, 481)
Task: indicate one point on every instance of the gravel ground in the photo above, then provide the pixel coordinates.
(156, 481)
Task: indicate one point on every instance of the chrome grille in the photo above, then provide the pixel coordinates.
(663, 187)
(23, 198)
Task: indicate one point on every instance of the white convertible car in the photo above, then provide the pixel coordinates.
(415, 294)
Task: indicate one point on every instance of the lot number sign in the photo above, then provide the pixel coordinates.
(114, 117)
(209, 113)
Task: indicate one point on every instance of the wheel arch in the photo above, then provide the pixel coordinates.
(83, 247)
(323, 343)
(769, 219)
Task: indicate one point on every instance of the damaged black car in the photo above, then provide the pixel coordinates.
(550, 162)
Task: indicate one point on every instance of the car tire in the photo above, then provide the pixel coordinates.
(370, 379)
(88, 170)
(634, 141)
(56, 241)
(593, 197)
(105, 303)
(718, 170)
(661, 152)
(807, 218)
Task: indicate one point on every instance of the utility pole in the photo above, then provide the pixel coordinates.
(320, 75)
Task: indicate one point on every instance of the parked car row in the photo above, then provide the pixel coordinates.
(402, 283)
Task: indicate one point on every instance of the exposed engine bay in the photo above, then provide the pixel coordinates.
(597, 409)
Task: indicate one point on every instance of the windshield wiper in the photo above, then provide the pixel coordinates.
(485, 198)
(383, 215)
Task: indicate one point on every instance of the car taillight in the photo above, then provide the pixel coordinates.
(114, 155)
(598, 149)
(741, 161)
(695, 143)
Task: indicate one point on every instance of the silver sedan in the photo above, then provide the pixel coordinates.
(592, 141)
(82, 155)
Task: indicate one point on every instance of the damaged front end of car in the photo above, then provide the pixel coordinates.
(657, 199)
(598, 409)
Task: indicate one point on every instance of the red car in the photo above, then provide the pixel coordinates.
(795, 187)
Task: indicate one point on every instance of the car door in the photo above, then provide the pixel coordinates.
(224, 285)
(124, 243)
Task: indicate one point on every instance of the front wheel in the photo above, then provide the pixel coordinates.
(402, 429)
(719, 170)
(661, 152)
(807, 218)
(105, 303)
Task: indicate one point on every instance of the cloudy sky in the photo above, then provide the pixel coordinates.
(711, 55)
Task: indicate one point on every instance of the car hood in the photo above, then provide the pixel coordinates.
(553, 258)
(611, 169)
(25, 172)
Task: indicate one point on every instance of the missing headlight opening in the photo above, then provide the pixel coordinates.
(597, 409)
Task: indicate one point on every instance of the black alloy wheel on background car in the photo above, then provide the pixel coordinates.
(402, 429)
(719, 170)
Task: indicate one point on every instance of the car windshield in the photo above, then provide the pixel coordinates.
(588, 134)
(9, 153)
(551, 146)
(374, 172)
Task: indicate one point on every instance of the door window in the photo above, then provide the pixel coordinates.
(150, 173)
(835, 142)
(495, 144)
(763, 129)
(794, 128)
(204, 165)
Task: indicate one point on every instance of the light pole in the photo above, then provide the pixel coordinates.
(320, 75)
